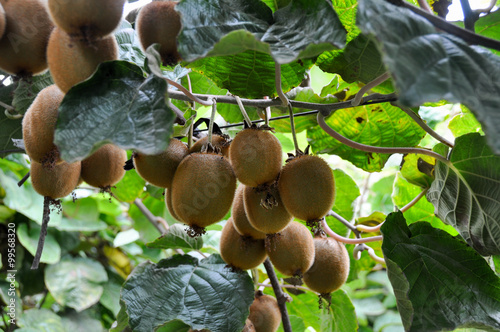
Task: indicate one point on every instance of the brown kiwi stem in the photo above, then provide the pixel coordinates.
(280, 296)
(342, 239)
(43, 232)
(188, 93)
(243, 111)
(212, 119)
(286, 102)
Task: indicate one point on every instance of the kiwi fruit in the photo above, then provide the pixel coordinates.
(55, 182)
(292, 252)
(330, 268)
(86, 19)
(240, 219)
(39, 124)
(265, 210)
(203, 189)
(220, 143)
(3, 20)
(158, 22)
(159, 169)
(168, 202)
(307, 187)
(239, 252)
(265, 313)
(256, 156)
(23, 45)
(104, 168)
(72, 61)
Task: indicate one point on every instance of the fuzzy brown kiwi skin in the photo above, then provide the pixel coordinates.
(203, 189)
(240, 219)
(307, 187)
(265, 313)
(268, 221)
(158, 22)
(159, 169)
(292, 252)
(71, 61)
(256, 156)
(239, 252)
(104, 168)
(3, 21)
(219, 142)
(168, 202)
(55, 182)
(86, 19)
(39, 124)
(330, 268)
(23, 45)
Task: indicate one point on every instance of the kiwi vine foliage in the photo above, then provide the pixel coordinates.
(102, 255)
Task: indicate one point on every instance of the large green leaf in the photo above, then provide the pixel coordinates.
(303, 29)
(81, 322)
(76, 282)
(130, 187)
(177, 238)
(466, 193)
(203, 294)
(377, 125)
(305, 306)
(465, 123)
(440, 283)
(418, 169)
(428, 66)
(346, 9)
(41, 320)
(250, 74)
(29, 239)
(27, 90)
(359, 61)
(116, 105)
(340, 315)
(9, 128)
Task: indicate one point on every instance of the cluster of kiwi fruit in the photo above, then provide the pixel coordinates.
(71, 38)
(50, 175)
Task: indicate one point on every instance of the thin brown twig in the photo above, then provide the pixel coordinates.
(23, 180)
(280, 296)
(43, 232)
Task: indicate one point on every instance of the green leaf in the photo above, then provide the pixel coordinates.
(27, 90)
(465, 123)
(440, 283)
(115, 105)
(129, 45)
(404, 192)
(250, 74)
(81, 322)
(189, 291)
(42, 320)
(9, 128)
(146, 229)
(303, 29)
(346, 9)
(305, 306)
(29, 239)
(177, 238)
(76, 282)
(360, 61)
(466, 193)
(418, 169)
(428, 65)
(81, 215)
(130, 187)
(380, 195)
(174, 326)
(378, 125)
(340, 315)
(346, 192)
(110, 297)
